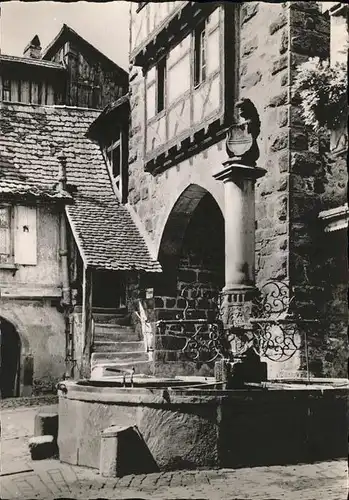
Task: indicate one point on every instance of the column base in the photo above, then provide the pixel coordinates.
(235, 374)
(237, 307)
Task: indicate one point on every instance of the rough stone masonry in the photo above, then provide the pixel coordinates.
(272, 40)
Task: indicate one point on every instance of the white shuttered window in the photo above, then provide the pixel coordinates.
(25, 241)
(5, 235)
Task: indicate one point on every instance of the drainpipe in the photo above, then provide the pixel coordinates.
(63, 253)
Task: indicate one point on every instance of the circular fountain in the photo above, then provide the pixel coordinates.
(191, 422)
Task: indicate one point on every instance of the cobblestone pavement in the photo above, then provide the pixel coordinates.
(49, 479)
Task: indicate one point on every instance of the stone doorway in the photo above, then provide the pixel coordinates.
(10, 360)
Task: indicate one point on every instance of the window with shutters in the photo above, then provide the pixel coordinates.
(18, 238)
(25, 236)
(6, 235)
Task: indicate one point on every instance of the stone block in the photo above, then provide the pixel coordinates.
(299, 139)
(251, 80)
(278, 23)
(279, 64)
(283, 161)
(278, 99)
(305, 6)
(296, 115)
(305, 163)
(145, 193)
(279, 142)
(282, 116)
(248, 11)
(46, 424)
(297, 60)
(42, 447)
(284, 42)
(304, 20)
(281, 211)
(310, 43)
(284, 79)
(250, 46)
(123, 451)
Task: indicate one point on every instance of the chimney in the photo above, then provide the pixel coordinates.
(33, 49)
(62, 172)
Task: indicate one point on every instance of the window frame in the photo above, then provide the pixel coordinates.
(10, 256)
(200, 53)
(161, 97)
(6, 87)
(120, 181)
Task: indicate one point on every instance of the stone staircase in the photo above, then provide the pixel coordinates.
(116, 347)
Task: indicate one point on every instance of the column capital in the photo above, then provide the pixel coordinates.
(233, 171)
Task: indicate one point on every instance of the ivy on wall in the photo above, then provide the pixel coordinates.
(322, 90)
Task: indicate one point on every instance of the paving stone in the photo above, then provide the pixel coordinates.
(51, 479)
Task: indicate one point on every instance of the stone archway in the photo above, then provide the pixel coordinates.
(10, 360)
(192, 244)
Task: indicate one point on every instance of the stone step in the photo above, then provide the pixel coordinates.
(112, 319)
(109, 310)
(110, 346)
(112, 328)
(105, 370)
(114, 333)
(116, 337)
(118, 357)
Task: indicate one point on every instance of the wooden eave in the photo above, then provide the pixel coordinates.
(115, 113)
(206, 136)
(170, 32)
(36, 198)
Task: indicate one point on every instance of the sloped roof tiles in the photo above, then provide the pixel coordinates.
(31, 138)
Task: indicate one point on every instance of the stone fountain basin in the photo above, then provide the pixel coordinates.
(190, 423)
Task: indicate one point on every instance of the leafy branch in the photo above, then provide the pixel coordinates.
(323, 94)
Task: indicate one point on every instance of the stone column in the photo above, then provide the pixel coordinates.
(239, 181)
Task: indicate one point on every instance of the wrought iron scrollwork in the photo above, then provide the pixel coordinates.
(278, 332)
(204, 339)
(274, 331)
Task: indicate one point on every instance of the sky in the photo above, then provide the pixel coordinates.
(104, 24)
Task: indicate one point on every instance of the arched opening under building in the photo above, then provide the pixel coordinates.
(192, 250)
(10, 360)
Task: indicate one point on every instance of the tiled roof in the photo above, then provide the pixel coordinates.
(4, 58)
(31, 137)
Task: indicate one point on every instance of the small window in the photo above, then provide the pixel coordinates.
(6, 90)
(114, 159)
(117, 157)
(160, 85)
(200, 54)
(6, 246)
